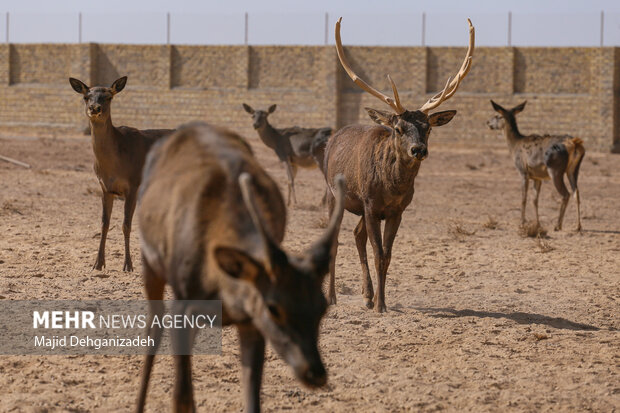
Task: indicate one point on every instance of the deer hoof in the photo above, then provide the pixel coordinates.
(128, 266)
(99, 265)
(380, 308)
(331, 300)
(369, 303)
(557, 228)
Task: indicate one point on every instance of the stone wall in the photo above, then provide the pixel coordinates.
(569, 90)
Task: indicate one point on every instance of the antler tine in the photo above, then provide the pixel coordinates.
(453, 84)
(393, 103)
(399, 108)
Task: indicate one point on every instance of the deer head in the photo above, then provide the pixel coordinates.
(290, 301)
(97, 99)
(506, 116)
(411, 128)
(259, 117)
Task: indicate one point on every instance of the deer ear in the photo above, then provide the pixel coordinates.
(272, 108)
(498, 108)
(238, 264)
(119, 84)
(441, 118)
(248, 108)
(78, 86)
(381, 117)
(518, 108)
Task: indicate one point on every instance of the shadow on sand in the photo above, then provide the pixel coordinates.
(519, 317)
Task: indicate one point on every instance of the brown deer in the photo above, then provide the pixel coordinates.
(211, 222)
(291, 145)
(539, 158)
(119, 157)
(380, 164)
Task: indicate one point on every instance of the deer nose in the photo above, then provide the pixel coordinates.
(419, 151)
(316, 375)
(94, 109)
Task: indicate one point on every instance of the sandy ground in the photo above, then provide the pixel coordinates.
(480, 318)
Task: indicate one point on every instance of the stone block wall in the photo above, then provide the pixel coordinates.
(569, 90)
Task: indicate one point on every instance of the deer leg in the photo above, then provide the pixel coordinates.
(107, 200)
(558, 181)
(331, 296)
(524, 185)
(361, 237)
(130, 206)
(537, 185)
(154, 287)
(389, 234)
(578, 209)
(291, 181)
(182, 345)
(252, 360)
(373, 227)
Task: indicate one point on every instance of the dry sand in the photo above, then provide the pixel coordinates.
(480, 319)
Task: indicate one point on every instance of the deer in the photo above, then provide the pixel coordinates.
(291, 145)
(211, 223)
(380, 164)
(120, 153)
(539, 158)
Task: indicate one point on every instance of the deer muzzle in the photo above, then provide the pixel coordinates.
(94, 110)
(314, 375)
(419, 152)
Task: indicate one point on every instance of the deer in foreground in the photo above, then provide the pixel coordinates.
(291, 145)
(380, 164)
(539, 158)
(211, 222)
(119, 156)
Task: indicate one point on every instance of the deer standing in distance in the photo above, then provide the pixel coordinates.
(293, 146)
(540, 157)
(211, 223)
(380, 164)
(119, 156)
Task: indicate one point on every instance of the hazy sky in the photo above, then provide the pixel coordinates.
(381, 22)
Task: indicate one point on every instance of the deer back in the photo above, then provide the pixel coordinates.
(198, 168)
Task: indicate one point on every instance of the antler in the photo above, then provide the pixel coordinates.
(453, 83)
(393, 103)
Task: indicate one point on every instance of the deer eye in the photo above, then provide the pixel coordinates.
(276, 312)
(399, 130)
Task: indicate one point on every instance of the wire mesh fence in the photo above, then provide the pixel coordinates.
(405, 29)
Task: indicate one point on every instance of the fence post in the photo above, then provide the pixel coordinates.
(246, 28)
(509, 29)
(602, 27)
(326, 28)
(423, 29)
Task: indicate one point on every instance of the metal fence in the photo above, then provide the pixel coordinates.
(406, 29)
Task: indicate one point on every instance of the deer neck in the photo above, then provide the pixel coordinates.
(269, 135)
(399, 169)
(513, 136)
(102, 134)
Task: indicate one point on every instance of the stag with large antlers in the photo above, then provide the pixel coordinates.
(380, 164)
(119, 156)
(211, 223)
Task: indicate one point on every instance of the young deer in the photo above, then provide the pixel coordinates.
(211, 223)
(380, 164)
(119, 157)
(291, 145)
(541, 157)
